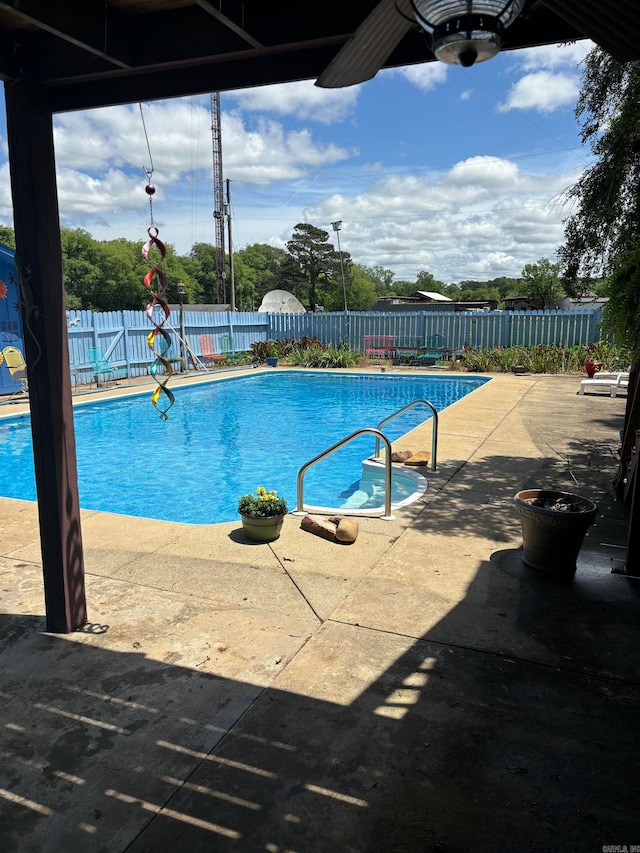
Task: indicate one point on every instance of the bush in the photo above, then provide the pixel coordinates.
(323, 357)
(545, 358)
(261, 350)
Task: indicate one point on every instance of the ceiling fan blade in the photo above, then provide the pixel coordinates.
(369, 47)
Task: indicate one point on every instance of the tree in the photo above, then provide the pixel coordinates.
(359, 285)
(426, 281)
(203, 268)
(541, 282)
(315, 257)
(7, 237)
(607, 195)
(622, 311)
(258, 269)
(382, 279)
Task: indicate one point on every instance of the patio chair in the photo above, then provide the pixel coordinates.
(208, 352)
(226, 345)
(378, 347)
(611, 382)
(432, 351)
(103, 370)
(17, 366)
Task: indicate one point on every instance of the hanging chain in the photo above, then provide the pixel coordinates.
(156, 283)
(149, 189)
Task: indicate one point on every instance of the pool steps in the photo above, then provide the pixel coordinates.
(367, 497)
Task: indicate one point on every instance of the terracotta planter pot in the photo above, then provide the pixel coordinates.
(263, 529)
(552, 538)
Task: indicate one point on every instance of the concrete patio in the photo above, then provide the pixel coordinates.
(419, 690)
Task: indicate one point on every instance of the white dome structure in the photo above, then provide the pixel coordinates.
(281, 302)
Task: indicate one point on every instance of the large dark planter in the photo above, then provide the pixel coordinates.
(552, 538)
(262, 529)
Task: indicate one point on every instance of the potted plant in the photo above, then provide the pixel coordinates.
(554, 525)
(262, 514)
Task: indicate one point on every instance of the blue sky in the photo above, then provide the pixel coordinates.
(457, 171)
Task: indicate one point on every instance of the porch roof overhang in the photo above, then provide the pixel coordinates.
(93, 53)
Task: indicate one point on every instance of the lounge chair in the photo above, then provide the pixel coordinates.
(16, 364)
(432, 351)
(103, 370)
(208, 352)
(611, 382)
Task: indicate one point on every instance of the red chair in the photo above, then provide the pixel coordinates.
(208, 352)
(378, 347)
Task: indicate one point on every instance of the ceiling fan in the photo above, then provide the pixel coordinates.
(460, 31)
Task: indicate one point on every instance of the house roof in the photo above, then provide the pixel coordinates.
(434, 297)
(88, 53)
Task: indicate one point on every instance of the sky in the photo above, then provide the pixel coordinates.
(462, 173)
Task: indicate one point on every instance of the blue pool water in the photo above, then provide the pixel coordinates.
(225, 438)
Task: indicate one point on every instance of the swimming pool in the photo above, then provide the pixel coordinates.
(226, 437)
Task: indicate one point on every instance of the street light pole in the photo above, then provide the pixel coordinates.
(337, 225)
(231, 272)
(181, 292)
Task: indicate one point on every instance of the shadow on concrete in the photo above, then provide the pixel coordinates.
(479, 493)
(387, 743)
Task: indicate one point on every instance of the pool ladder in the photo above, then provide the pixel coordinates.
(380, 437)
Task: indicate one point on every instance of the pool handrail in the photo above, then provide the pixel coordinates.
(434, 431)
(380, 436)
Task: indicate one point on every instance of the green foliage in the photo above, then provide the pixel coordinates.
(622, 311)
(360, 287)
(382, 279)
(109, 276)
(605, 223)
(307, 352)
(315, 257)
(318, 356)
(203, 268)
(426, 281)
(258, 269)
(261, 350)
(545, 358)
(7, 237)
(541, 282)
(263, 504)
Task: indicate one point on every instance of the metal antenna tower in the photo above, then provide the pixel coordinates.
(218, 195)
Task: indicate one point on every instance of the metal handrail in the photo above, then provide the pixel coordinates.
(434, 431)
(380, 436)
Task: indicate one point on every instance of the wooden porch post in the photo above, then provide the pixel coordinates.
(39, 273)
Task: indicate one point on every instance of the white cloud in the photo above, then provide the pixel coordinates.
(552, 56)
(303, 100)
(483, 218)
(542, 91)
(425, 76)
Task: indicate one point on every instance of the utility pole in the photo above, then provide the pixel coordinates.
(232, 284)
(218, 195)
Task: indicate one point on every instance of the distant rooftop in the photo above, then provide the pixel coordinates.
(435, 297)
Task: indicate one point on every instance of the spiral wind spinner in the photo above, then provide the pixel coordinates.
(158, 332)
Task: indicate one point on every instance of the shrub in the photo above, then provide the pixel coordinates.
(551, 358)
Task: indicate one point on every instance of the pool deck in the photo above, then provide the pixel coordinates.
(419, 690)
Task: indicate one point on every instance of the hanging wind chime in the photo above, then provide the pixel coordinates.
(156, 283)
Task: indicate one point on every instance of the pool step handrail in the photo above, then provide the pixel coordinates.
(380, 436)
(434, 431)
